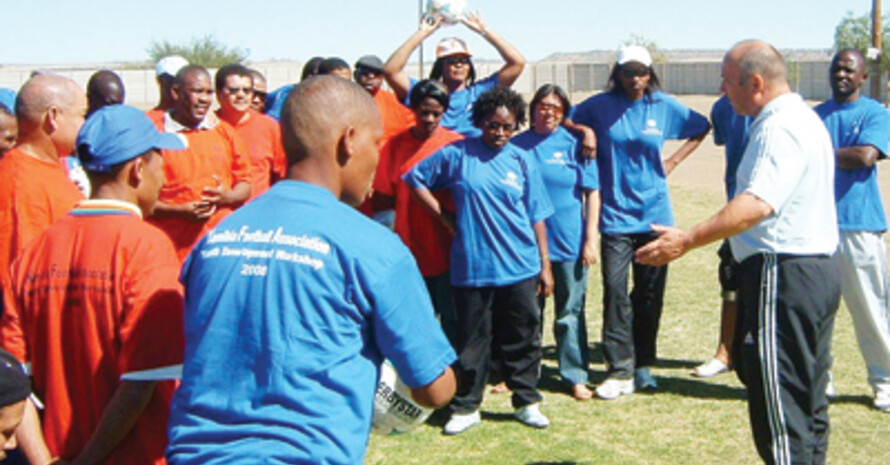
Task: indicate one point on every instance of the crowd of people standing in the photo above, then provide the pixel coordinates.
(187, 285)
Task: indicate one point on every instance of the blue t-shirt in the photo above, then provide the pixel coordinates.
(730, 130)
(862, 122)
(499, 196)
(275, 100)
(458, 116)
(630, 135)
(567, 174)
(288, 318)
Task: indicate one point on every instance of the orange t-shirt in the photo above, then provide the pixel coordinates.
(425, 236)
(216, 151)
(33, 194)
(97, 297)
(395, 116)
(262, 137)
(156, 115)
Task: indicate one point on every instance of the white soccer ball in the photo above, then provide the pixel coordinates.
(394, 409)
(449, 10)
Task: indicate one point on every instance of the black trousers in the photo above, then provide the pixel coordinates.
(786, 307)
(509, 316)
(630, 322)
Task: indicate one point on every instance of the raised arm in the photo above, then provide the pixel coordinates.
(394, 69)
(515, 62)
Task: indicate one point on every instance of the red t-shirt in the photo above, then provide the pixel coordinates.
(262, 137)
(425, 236)
(216, 151)
(97, 297)
(33, 194)
(395, 116)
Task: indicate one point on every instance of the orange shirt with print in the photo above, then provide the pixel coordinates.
(34, 193)
(96, 297)
(425, 236)
(262, 138)
(216, 152)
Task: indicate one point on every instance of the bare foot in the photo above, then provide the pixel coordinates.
(500, 388)
(581, 392)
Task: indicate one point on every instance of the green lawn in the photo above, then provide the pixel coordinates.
(687, 421)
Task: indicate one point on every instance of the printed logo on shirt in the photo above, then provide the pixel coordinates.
(512, 180)
(558, 158)
(652, 128)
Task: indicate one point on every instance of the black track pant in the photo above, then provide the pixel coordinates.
(786, 312)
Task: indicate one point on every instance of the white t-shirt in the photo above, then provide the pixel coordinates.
(789, 164)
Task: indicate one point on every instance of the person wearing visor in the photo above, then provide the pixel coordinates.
(103, 336)
(632, 120)
(454, 68)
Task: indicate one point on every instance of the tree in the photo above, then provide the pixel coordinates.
(855, 32)
(205, 51)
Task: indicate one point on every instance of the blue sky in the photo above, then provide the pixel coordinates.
(80, 31)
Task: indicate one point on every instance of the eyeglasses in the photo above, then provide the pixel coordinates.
(494, 126)
(634, 72)
(456, 60)
(235, 90)
(259, 93)
(544, 107)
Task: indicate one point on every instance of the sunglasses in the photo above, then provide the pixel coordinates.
(634, 72)
(493, 126)
(235, 90)
(363, 70)
(544, 107)
(456, 60)
(260, 94)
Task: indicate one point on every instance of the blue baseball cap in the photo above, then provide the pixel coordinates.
(7, 99)
(118, 133)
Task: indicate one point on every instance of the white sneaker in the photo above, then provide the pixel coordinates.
(830, 392)
(531, 415)
(882, 401)
(461, 422)
(710, 369)
(615, 388)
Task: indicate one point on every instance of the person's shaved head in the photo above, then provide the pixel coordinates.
(43, 92)
(104, 88)
(318, 110)
(847, 73)
(50, 109)
(757, 57)
(330, 129)
(753, 73)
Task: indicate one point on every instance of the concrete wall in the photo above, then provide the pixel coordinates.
(579, 79)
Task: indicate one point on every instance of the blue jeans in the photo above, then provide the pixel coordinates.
(570, 324)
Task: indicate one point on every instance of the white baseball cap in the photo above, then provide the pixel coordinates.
(636, 53)
(170, 65)
(452, 46)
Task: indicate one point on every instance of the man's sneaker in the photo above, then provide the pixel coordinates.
(531, 415)
(461, 422)
(644, 381)
(710, 369)
(882, 400)
(614, 388)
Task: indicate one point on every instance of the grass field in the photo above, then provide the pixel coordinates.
(687, 421)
